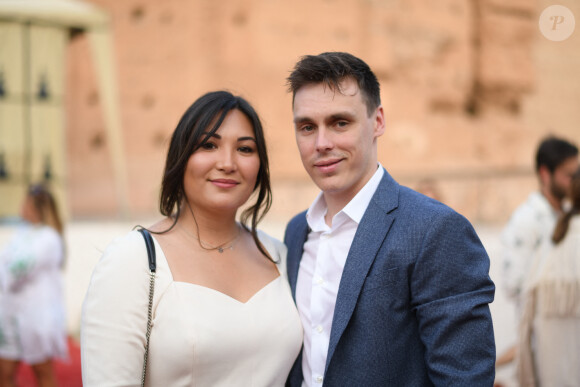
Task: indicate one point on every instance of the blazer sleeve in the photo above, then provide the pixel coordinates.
(114, 315)
(451, 291)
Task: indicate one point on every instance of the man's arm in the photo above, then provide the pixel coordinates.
(451, 291)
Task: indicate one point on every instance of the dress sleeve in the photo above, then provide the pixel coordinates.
(277, 250)
(114, 315)
(451, 292)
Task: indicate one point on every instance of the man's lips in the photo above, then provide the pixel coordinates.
(224, 183)
(328, 165)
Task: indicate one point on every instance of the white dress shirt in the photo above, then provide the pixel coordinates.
(321, 267)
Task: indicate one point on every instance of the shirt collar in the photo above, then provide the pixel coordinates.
(355, 209)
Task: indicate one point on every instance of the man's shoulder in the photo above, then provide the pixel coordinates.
(420, 213)
(297, 222)
(534, 208)
(416, 202)
(298, 219)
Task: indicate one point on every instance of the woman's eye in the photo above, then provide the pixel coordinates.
(208, 146)
(246, 149)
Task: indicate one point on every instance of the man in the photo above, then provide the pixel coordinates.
(532, 224)
(392, 287)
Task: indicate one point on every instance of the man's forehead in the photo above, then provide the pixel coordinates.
(328, 92)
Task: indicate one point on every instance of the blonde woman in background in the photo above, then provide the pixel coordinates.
(32, 312)
(549, 352)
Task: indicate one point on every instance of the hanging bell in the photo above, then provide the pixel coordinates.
(3, 170)
(47, 168)
(43, 93)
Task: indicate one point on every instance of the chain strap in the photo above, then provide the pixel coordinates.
(148, 333)
(152, 267)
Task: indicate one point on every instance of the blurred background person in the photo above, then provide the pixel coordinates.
(549, 351)
(223, 313)
(32, 312)
(532, 223)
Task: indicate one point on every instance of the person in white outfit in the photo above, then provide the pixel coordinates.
(549, 346)
(32, 311)
(532, 223)
(222, 310)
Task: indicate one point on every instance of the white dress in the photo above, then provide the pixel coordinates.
(200, 337)
(32, 311)
(550, 342)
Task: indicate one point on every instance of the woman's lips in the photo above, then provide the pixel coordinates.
(224, 183)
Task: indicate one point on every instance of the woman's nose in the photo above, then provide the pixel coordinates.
(227, 161)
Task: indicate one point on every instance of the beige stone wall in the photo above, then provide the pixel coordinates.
(469, 87)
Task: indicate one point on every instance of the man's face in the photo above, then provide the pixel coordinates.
(337, 137)
(561, 178)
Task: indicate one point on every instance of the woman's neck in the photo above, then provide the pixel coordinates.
(210, 227)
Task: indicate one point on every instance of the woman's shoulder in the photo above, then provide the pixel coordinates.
(128, 250)
(275, 247)
(129, 241)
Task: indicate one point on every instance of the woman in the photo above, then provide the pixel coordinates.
(549, 352)
(32, 313)
(223, 314)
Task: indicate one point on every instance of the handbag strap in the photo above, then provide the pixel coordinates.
(152, 267)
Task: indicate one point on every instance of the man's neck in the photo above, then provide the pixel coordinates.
(333, 207)
(555, 203)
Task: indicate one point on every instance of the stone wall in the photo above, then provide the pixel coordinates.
(469, 88)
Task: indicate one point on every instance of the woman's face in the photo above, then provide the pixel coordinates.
(221, 174)
(28, 210)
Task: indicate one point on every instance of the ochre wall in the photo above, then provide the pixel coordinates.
(468, 87)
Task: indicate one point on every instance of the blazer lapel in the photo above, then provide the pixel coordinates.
(369, 237)
(295, 239)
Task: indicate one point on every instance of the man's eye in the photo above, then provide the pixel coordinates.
(307, 128)
(342, 123)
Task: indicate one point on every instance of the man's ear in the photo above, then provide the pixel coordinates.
(379, 122)
(545, 175)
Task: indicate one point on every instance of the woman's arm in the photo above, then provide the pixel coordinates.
(114, 316)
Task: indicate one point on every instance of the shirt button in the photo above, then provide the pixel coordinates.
(318, 379)
(319, 281)
(325, 236)
(319, 329)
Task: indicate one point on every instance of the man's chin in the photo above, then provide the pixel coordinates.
(325, 183)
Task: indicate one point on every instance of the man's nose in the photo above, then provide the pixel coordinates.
(324, 140)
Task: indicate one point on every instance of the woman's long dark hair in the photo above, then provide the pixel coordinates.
(564, 221)
(191, 133)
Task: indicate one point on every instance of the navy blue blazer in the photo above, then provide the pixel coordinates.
(413, 303)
